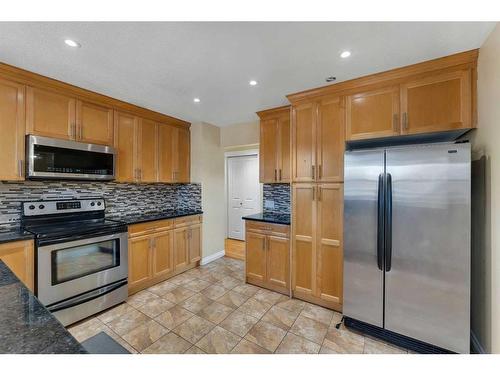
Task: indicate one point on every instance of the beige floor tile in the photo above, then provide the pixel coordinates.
(218, 341)
(194, 329)
(254, 308)
(140, 298)
(309, 329)
(239, 323)
(194, 350)
(247, 289)
(374, 346)
(155, 307)
(120, 341)
(267, 296)
(162, 288)
(318, 313)
(181, 279)
(168, 344)
(291, 304)
(344, 341)
(173, 317)
(337, 318)
(178, 294)
(196, 303)
(248, 347)
(327, 350)
(266, 335)
(127, 322)
(229, 282)
(280, 317)
(197, 285)
(84, 330)
(143, 336)
(114, 312)
(215, 312)
(214, 292)
(212, 277)
(232, 299)
(293, 344)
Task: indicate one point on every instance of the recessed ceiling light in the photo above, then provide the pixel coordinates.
(196, 100)
(253, 83)
(72, 43)
(345, 54)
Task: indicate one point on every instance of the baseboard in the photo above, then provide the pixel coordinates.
(211, 258)
(475, 344)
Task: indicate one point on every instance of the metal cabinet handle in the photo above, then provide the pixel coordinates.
(313, 170)
(275, 174)
(395, 122)
(280, 174)
(314, 193)
(405, 121)
(80, 132)
(20, 167)
(320, 171)
(320, 193)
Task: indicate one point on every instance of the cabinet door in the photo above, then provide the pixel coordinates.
(284, 165)
(278, 261)
(256, 256)
(437, 103)
(303, 241)
(181, 255)
(95, 123)
(12, 130)
(183, 155)
(126, 146)
(50, 114)
(195, 239)
(304, 142)
(139, 261)
(373, 114)
(166, 153)
(329, 242)
(330, 140)
(147, 152)
(19, 257)
(268, 150)
(163, 253)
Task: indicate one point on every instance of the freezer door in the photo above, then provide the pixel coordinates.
(363, 278)
(428, 284)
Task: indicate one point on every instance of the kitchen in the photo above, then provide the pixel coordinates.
(357, 235)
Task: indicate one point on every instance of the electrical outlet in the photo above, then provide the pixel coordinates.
(269, 205)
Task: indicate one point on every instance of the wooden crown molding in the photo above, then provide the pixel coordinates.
(463, 58)
(278, 111)
(37, 80)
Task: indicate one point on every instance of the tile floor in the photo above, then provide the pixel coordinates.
(210, 309)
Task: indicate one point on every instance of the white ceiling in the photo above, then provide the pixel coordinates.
(164, 65)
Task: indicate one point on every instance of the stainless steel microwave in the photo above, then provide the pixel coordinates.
(50, 158)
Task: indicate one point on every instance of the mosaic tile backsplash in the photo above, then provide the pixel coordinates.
(280, 195)
(121, 198)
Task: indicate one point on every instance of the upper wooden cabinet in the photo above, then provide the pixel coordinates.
(318, 140)
(12, 130)
(174, 154)
(373, 114)
(274, 154)
(147, 151)
(94, 123)
(437, 102)
(126, 145)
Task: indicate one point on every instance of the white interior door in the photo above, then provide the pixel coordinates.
(243, 192)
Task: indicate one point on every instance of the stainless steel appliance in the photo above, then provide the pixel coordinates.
(61, 159)
(81, 257)
(407, 245)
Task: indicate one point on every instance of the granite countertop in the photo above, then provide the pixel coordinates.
(141, 218)
(13, 233)
(270, 217)
(26, 326)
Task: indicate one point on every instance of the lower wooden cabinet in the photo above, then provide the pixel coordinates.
(19, 257)
(158, 250)
(268, 256)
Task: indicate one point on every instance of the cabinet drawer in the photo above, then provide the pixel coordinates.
(276, 229)
(187, 220)
(150, 227)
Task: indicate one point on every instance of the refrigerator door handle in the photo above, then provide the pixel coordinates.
(380, 222)
(388, 222)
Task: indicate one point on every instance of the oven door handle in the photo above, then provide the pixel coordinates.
(85, 297)
(51, 244)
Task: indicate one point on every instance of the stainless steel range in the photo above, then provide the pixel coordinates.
(81, 257)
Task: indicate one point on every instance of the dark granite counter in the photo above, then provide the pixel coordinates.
(9, 234)
(270, 217)
(26, 326)
(142, 218)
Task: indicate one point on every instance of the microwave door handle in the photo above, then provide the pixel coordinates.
(380, 222)
(388, 223)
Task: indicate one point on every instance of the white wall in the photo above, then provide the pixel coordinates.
(486, 141)
(207, 167)
(240, 135)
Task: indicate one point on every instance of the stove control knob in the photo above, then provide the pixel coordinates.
(31, 207)
(41, 207)
(98, 203)
(92, 204)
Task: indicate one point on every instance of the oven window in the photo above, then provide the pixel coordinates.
(72, 263)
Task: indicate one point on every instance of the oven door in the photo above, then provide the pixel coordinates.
(68, 269)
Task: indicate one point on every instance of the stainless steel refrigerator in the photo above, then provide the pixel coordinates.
(407, 244)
